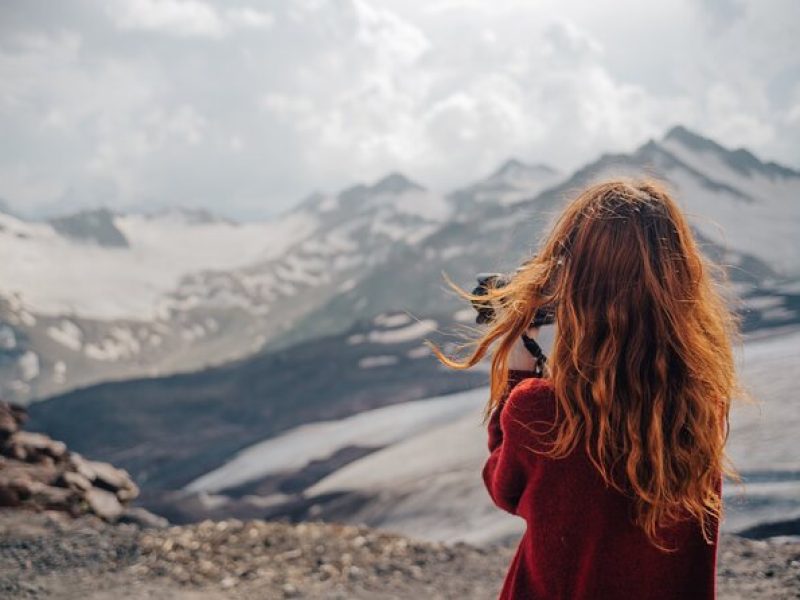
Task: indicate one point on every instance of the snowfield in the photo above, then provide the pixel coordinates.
(57, 275)
(426, 481)
(370, 429)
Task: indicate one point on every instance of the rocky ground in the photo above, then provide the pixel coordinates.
(67, 532)
(51, 555)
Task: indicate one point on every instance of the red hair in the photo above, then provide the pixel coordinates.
(642, 363)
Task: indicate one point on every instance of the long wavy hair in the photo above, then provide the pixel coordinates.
(642, 362)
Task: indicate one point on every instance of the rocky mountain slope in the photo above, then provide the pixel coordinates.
(168, 431)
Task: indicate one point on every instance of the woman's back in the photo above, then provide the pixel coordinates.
(615, 459)
(580, 541)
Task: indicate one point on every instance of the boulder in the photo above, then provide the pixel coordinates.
(82, 466)
(35, 446)
(75, 481)
(104, 504)
(143, 518)
(11, 419)
(39, 473)
(111, 478)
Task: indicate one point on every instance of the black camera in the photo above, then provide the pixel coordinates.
(545, 315)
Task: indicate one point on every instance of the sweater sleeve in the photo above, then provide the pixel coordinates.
(503, 473)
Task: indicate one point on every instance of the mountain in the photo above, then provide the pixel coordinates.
(178, 290)
(511, 182)
(166, 431)
(95, 226)
(93, 296)
(323, 317)
(741, 160)
(414, 467)
(749, 222)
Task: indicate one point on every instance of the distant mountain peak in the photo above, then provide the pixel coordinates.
(94, 225)
(740, 160)
(514, 167)
(396, 183)
(692, 140)
(190, 215)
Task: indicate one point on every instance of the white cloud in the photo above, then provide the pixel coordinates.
(246, 106)
(185, 17)
(180, 17)
(250, 17)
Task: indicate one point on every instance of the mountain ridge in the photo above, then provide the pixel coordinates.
(190, 292)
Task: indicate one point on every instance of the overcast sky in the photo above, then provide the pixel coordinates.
(244, 107)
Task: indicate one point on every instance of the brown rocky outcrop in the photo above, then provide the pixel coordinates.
(39, 473)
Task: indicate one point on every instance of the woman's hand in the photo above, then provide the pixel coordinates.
(519, 358)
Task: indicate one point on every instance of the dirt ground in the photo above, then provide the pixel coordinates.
(51, 556)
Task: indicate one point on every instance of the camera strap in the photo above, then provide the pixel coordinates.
(533, 347)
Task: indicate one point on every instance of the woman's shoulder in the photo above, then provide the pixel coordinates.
(531, 400)
(529, 388)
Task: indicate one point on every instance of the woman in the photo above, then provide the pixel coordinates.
(614, 453)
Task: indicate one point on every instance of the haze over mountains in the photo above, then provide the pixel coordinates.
(101, 296)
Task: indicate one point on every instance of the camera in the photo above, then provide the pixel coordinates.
(545, 315)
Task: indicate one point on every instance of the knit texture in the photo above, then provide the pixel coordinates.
(580, 541)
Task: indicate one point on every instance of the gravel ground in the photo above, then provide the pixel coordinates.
(50, 556)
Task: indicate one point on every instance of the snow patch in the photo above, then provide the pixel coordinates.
(59, 372)
(67, 334)
(383, 360)
(28, 365)
(390, 320)
(121, 343)
(464, 314)
(347, 285)
(356, 338)
(403, 334)
(8, 339)
(420, 352)
(369, 429)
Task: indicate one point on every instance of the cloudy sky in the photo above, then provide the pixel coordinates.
(245, 106)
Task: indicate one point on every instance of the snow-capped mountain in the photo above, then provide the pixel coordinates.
(746, 214)
(98, 295)
(91, 296)
(426, 481)
(169, 430)
(511, 182)
(331, 416)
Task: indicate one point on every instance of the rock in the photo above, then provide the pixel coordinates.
(8, 424)
(55, 498)
(12, 417)
(114, 480)
(74, 480)
(143, 518)
(39, 473)
(126, 494)
(37, 445)
(104, 504)
(82, 466)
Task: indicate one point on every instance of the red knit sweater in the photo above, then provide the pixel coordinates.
(580, 542)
